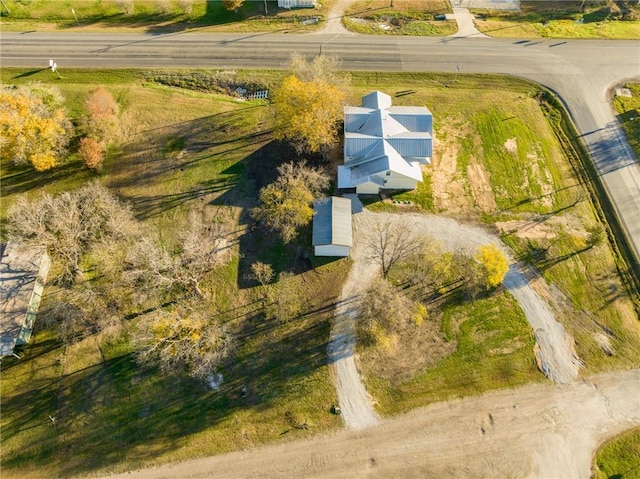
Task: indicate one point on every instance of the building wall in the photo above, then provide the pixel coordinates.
(400, 183)
(367, 189)
(332, 250)
(296, 3)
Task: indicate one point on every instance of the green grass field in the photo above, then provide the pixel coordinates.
(204, 151)
(561, 19)
(184, 149)
(494, 349)
(629, 115)
(159, 16)
(619, 457)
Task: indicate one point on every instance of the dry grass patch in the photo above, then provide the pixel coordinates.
(405, 18)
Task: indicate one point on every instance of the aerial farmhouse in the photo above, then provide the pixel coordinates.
(384, 145)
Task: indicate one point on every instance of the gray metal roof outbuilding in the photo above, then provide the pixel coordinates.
(332, 224)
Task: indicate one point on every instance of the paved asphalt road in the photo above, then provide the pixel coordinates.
(580, 71)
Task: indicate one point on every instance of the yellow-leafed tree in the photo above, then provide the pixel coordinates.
(307, 113)
(494, 265)
(287, 203)
(34, 128)
(232, 4)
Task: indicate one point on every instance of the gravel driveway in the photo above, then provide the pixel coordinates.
(542, 430)
(554, 347)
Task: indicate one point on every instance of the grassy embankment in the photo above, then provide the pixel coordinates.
(156, 16)
(406, 17)
(501, 161)
(619, 457)
(629, 115)
(186, 148)
(561, 19)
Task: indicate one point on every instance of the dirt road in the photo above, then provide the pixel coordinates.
(555, 352)
(537, 431)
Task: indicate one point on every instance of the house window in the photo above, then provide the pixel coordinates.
(384, 182)
(388, 173)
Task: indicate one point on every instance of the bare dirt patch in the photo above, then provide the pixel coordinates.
(545, 181)
(481, 187)
(508, 347)
(450, 194)
(527, 229)
(537, 431)
(511, 145)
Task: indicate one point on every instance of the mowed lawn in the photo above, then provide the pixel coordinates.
(185, 149)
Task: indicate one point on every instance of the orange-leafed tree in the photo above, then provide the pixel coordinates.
(101, 121)
(91, 152)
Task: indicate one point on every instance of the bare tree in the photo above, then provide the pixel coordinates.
(203, 246)
(320, 68)
(263, 273)
(384, 310)
(71, 224)
(183, 340)
(148, 263)
(389, 242)
(315, 180)
(77, 313)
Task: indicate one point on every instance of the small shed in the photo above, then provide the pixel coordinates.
(332, 235)
(23, 273)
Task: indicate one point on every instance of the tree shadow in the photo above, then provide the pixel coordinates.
(609, 150)
(20, 179)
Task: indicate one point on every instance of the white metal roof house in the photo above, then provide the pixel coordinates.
(297, 3)
(23, 272)
(384, 145)
(332, 227)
